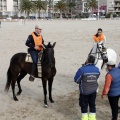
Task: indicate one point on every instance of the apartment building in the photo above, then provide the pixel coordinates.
(117, 6)
(113, 6)
(11, 8)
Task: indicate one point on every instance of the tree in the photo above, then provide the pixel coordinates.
(26, 6)
(39, 5)
(71, 5)
(61, 5)
(91, 4)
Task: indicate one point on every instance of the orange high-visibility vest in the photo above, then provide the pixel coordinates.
(99, 39)
(37, 40)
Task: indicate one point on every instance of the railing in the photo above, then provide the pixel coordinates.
(117, 0)
(117, 5)
(15, 4)
(4, 3)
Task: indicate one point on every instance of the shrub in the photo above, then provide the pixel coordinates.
(22, 17)
(108, 15)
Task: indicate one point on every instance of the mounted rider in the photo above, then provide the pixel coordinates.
(100, 37)
(35, 42)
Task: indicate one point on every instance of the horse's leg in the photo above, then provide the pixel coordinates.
(44, 82)
(20, 77)
(14, 78)
(50, 81)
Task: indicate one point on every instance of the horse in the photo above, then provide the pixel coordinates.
(19, 68)
(102, 56)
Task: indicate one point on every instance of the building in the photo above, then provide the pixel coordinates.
(10, 8)
(113, 6)
(117, 6)
(110, 6)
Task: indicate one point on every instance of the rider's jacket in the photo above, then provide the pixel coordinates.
(34, 40)
(99, 38)
(87, 77)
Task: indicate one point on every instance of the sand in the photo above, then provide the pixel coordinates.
(74, 39)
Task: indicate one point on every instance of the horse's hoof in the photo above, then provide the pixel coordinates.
(52, 101)
(15, 99)
(18, 93)
(46, 106)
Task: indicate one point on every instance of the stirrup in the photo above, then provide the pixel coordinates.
(31, 78)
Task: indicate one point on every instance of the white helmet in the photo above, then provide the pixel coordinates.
(111, 63)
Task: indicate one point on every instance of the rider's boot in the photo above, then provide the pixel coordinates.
(31, 78)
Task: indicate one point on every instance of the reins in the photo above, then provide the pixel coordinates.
(99, 52)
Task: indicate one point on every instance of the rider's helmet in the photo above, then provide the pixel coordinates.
(111, 62)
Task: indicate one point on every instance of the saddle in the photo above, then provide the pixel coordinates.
(29, 60)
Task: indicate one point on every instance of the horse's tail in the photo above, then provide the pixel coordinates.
(9, 75)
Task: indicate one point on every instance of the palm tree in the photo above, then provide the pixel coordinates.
(39, 5)
(71, 5)
(26, 6)
(91, 4)
(61, 5)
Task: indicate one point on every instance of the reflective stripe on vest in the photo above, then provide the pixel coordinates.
(99, 39)
(37, 40)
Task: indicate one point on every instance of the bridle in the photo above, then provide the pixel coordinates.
(101, 54)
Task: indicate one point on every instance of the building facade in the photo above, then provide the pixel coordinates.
(117, 6)
(10, 8)
(113, 6)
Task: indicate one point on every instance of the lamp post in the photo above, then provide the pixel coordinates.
(53, 8)
(113, 8)
(98, 9)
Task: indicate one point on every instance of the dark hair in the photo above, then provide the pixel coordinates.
(91, 59)
(111, 66)
(97, 32)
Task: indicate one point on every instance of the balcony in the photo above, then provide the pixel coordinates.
(15, 4)
(117, 11)
(4, 3)
(118, 5)
(117, 0)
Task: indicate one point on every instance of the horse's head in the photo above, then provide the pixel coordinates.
(48, 54)
(102, 50)
(99, 47)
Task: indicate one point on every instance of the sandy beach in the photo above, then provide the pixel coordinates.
(74, 40)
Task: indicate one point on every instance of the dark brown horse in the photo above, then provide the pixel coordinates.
(18, 69)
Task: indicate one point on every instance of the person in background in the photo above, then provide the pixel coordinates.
(112, 88)
(87, 77)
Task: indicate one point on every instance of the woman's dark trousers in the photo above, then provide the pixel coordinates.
(114, 106)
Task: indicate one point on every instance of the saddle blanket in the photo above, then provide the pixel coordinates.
(39, 68)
